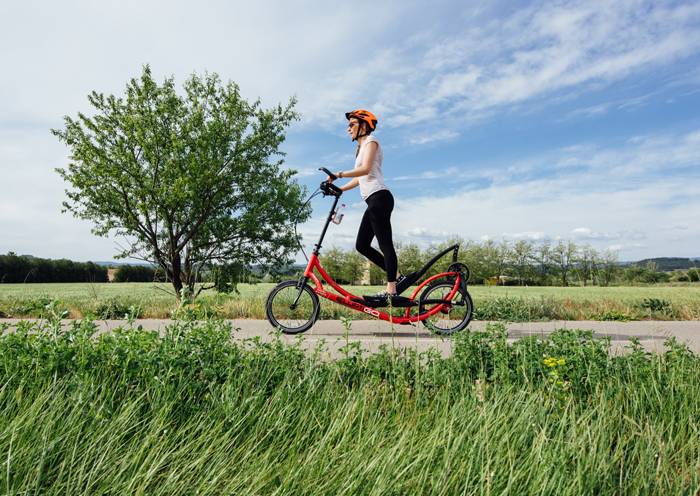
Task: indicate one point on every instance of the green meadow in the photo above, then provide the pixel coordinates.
(511, 303)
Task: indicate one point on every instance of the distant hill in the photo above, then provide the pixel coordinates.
(669, 263)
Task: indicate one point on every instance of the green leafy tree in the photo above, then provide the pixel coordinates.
(14, 269)
(475, 256)
(377, 276)
(410, 258)
(652, 268)
(470, 254)
(187, 179)
(610, 266)
(499, 256)
(634, 274)
(137, 273)
(443, 263)
(353, 267)
(545, 263)
(587, 261)
(333, 260)
(564, 256)
(428, 254)
(522, 255)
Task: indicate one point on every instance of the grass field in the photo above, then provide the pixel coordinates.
(194, 412)
(515, 304)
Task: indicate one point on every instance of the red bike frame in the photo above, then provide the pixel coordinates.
(346, 298)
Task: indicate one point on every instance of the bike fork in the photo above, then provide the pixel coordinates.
(300, 286)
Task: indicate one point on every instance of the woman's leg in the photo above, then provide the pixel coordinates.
(363, 244)
(377, 222)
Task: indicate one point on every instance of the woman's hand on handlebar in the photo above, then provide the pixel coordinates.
(331, 177)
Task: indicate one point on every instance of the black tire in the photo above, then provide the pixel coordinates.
(446, 321)
(292, 321)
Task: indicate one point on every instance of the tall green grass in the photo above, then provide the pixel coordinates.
(195, 412)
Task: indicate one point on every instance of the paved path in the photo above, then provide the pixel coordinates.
(374, 333)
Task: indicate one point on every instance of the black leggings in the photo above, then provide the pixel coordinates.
(377, 222)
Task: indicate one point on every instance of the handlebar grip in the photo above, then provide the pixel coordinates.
(335, 188)
(332, 176)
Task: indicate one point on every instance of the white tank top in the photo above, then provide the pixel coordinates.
(374, 181)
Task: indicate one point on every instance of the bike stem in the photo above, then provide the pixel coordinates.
(317, 248)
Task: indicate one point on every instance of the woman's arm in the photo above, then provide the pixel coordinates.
(367, 160)
(352, 184)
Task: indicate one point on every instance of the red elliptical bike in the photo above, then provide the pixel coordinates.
(444, 305)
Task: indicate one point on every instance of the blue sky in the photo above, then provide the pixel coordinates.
(536, 120)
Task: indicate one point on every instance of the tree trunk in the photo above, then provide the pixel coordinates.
(177, 273)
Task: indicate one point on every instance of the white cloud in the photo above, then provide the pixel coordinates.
(624, 195)
(459, 63)
(584, 233)
(439, 136)
(431, 174)
(533, 235)
(304, 171)
(636, 247)
(538, 52)
(423, 235)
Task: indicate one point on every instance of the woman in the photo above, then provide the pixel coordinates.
(380, 203)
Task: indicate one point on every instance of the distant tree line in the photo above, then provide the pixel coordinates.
(19, 269)
(144, 273)
(138, 273)
(522, 262)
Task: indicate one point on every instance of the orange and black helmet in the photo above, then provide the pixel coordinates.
(364, 115)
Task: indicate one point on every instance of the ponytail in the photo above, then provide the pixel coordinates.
(367, 132)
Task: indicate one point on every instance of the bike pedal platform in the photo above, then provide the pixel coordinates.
(379, 301)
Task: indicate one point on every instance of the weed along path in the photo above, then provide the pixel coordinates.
(331, 335)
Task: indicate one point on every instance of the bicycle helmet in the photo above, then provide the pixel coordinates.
(364, 116)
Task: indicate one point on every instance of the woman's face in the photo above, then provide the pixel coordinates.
(353, 127)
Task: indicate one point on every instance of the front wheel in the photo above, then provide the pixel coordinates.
(288, 318)
(452, 318)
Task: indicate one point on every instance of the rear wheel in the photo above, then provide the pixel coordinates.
(452, 318)
(280, 313)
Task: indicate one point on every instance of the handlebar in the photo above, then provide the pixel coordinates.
(332, 176)
(330, 189)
